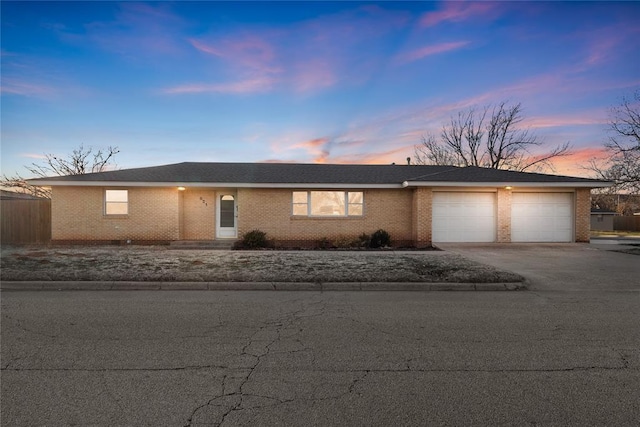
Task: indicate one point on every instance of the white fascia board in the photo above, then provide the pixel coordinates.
(205, 184)
(597, 184)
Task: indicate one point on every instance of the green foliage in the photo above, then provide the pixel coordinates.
(346, 242)
(255, 239)
(380, 239)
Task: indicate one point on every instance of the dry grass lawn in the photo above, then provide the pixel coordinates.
(163, 264)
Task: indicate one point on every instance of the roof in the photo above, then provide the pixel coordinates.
(314, 175)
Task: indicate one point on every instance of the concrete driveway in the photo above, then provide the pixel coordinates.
(560, 266)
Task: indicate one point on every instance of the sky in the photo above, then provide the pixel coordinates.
(309, 82)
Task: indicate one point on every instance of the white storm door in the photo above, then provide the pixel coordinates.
(226, 218)
(541, 217)
(464, 217)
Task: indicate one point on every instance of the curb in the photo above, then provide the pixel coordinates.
(256, 286)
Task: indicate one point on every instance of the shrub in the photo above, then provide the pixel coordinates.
(380, 239)
(345, 242)
(255, 239)
(364, 240)
(324, 243)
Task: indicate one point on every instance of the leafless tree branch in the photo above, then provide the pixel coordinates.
(492, 138)
(81, 160)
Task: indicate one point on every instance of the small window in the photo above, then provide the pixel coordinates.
(300, 203)
(328, 203)
(116, 202)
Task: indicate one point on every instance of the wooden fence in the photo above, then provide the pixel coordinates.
(626, 223)
(25, 221)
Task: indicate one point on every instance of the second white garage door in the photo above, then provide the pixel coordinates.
(464, 217)
(541, 217)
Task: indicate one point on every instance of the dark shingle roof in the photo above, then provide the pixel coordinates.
(300, 173)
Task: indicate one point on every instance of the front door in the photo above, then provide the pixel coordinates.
(226, 222)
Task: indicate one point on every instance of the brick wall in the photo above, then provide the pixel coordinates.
(422, 199)
(504, 215)
(269, 210)
(198, 219)
(78, 214)
(583, 215)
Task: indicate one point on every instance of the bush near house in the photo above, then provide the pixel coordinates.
(380, 239)
(255, 239)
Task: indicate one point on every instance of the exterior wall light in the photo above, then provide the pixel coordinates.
(181, 188)
(508, 187)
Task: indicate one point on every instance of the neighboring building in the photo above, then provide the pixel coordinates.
(300, 204)
(602, 220)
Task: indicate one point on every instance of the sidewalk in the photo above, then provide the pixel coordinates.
(254, 286)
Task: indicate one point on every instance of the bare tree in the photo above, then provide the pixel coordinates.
(81, 160)
(623, 148)
(491, 138)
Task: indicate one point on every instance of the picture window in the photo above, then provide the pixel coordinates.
(328, 203)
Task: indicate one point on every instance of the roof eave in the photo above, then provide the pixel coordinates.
(566, 184)
(70, 183)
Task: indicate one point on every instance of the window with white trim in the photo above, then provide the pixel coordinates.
(328, 203)
(116, 202)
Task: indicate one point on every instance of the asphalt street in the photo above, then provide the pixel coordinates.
(202, 358)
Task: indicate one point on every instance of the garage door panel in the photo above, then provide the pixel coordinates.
(463, 217)
(542, 217)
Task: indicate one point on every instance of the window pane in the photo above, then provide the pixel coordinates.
(227, 212)
(299, 197)
(355, 197)
(327, 203)
(116, 209)
(355, 210)
(116, 195)
(300, 209)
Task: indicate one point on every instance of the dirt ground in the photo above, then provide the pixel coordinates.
(162, 264)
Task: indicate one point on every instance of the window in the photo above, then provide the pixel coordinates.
(328, 203)
(116, 202)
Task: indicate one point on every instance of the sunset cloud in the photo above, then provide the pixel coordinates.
(262, 84)
(425, 51)
(458, 11)
(24, 88)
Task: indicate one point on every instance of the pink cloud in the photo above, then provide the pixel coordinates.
(577, 162)
(581, 119)
(250, 51)
(429, 50)
(396, 155)
(259, 84)
(304, 57)
(138, 29)
(24, 88)
(312, 75)
(458, 11)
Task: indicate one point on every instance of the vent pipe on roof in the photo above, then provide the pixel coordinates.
(408, 160)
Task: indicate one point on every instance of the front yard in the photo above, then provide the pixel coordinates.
(163, 264)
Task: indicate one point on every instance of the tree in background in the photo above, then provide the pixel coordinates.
(81, 160)
(623, 148)
(490, 138)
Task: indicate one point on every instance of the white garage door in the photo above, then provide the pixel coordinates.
(542, 217)
(464, 217)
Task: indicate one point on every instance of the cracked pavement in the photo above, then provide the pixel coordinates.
(310, 358)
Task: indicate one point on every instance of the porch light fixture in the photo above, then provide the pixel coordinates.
(181, 188)
(508, 187)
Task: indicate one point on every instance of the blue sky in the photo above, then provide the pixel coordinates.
(334, 82)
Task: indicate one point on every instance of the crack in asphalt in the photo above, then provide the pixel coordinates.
(275, 326)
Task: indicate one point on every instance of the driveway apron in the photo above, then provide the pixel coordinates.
(564, 266)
